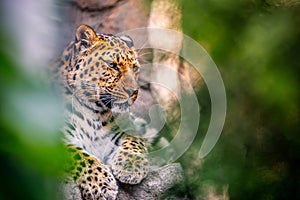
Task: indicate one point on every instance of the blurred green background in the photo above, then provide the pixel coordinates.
(31, 154)
(255, 45)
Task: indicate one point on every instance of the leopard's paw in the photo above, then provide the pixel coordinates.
(97, 182)
(130, 163)
(93, 190)
(94, 179)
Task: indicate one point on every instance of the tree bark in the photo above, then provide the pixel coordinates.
(157, 182)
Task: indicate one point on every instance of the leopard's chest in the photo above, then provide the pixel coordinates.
(86, 130)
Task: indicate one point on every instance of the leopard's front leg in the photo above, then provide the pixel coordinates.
(94, 179)
(130, 164)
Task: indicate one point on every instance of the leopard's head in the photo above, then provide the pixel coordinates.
(101, 69)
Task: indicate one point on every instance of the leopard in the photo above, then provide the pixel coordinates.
(99, 74)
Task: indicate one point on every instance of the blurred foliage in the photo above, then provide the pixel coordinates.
(255, 45)
(31, 153)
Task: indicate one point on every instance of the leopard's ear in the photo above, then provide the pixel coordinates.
(128, 40)
(86, 36)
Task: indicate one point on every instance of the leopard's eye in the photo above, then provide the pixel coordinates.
(114, 66)
(135, 68)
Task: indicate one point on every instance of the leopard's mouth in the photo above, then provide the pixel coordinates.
(107, 101)
(112, 102)
(120, 107)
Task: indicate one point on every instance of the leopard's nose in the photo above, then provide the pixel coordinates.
(130, 92)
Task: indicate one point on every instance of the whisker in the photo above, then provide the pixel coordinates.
(143, 54)
(142, 47)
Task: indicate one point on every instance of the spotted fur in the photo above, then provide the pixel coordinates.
(99, 75)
